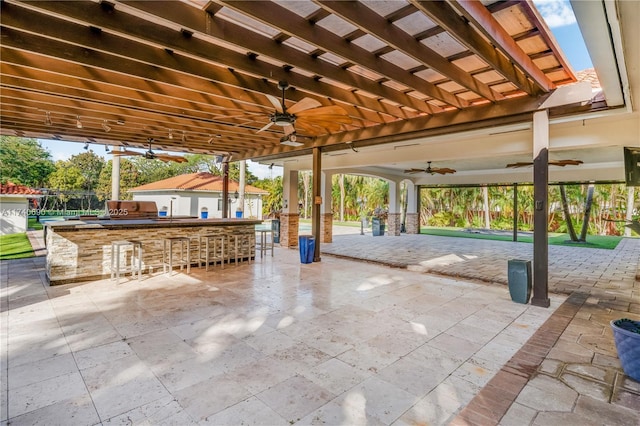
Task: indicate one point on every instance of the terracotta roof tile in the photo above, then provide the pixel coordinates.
(589, 75)
(202, 181)
(11, 188)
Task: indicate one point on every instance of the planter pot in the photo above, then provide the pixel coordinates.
(204, 215)
(626, 334)
(377, 227)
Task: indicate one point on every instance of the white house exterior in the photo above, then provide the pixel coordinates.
(14, 207)
(190, 194)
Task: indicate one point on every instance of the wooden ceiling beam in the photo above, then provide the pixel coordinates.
(363, 17)
(446, 17)
(484, 21)
(277, 16)
(121, 43)
(251, 41)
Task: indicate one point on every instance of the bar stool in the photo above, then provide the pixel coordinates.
(116, 267)
(235, 242)
(266, 241)
(167, 258)
(211, 252)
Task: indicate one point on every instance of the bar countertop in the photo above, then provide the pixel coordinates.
(160, 222)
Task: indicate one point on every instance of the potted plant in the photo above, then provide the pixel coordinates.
(378, 221)
(163, 211)
(626, 334)
(204, 213)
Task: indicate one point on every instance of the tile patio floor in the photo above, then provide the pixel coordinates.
(336, 342)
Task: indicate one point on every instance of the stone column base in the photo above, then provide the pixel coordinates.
(393, 224)
(326, 227)
(412, 223)
(289, 229)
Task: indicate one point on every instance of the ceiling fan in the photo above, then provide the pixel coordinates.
(431, 170)
(560, 163)
(150, 155)
(306, 115)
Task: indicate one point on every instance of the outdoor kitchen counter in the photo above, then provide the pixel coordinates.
(80, 250)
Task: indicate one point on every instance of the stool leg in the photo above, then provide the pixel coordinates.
(188, 256)
(164, 256)
(222, 252)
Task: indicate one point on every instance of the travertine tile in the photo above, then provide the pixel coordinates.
(294, 398)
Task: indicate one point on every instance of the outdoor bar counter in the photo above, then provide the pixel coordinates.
(80, 250)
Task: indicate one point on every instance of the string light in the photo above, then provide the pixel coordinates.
(170, 134)
(106, 126)
(184, 136)
(47, 118)
(78, 122)
(86, 145)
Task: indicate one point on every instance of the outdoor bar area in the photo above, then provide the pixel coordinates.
(82, 249)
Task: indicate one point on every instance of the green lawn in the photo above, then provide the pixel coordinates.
(558, 239)
(15, 246)
(34, 225)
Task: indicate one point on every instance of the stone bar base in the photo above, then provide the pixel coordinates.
(82, 252)
(412, 225)
(326, 227)
(393, 224)
(289, 229)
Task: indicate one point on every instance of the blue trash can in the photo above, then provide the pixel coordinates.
(238, 214)
(307, 246)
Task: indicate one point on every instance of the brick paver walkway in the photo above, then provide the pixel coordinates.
(568, 372)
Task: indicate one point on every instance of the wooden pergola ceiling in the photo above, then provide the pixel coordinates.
(193, 75)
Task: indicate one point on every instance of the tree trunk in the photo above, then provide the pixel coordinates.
(341, 185)
(567, 214)
(587, 214)
(629, 215)
(487, 216)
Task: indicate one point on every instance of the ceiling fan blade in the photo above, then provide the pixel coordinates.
(413, 171)
(269, 124)
(125, 153)
(168, 157)
(303, 105)
(333, 111)
(310, 128)
(517, 165)
(443, 171)
(275, 102)
(563, 163)
(325, 124)
(288, 129)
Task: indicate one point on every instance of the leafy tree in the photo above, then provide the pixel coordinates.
(24, 161)
(272, 202)
(90, 166)
(129, 178)
(66, 180)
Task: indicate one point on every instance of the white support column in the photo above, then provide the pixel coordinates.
(289, 218)
(115, 175)
(393, 219)
(630, 206)
(412, 221)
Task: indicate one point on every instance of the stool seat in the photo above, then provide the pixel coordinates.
(118, 254)
(184, 259)
(266, 241)
(209, 243)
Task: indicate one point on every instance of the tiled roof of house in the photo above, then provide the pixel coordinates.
(589, 75)
(202, 181)
(11, 188)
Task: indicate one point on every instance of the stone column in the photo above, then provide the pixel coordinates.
(326, 209)
(393, 219)
(412, 220)
(289, 218)
(289, 229)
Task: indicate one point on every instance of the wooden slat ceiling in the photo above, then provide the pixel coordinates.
(193, 75)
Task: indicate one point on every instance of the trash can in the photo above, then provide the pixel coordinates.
(238, 214)
(520, 280)
(307, 246)
(275, 227)
(204, 215)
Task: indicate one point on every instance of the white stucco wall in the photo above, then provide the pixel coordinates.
(191, 203)
(13, 215)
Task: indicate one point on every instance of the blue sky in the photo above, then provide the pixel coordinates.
(557, 14)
